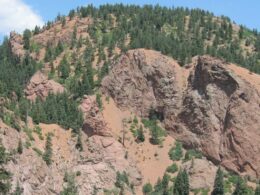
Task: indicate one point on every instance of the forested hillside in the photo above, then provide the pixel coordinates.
(76, 52)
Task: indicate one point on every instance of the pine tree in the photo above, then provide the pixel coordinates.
(20, 147)
(147, 188)
(181, 185)
(64, 68)
(79, 145)
(257, 190)
(140, 134)
(5, 176)
(26, 39)
(71, 188)
(47, 156)
(240, 188)
(219, 183)
(99, 101)
(186, 185)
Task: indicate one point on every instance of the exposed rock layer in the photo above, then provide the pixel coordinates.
(40, 86)
(96, 166)
(218, 112)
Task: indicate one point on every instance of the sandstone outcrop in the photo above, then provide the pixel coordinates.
(214, 110)
(201, 173)
(145, 79)
(40, 86)
(94, 123)
(16, 44)
(95, 167)
(57, 32)
(222, 113)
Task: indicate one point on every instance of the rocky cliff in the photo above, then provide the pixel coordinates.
(40, 86)
(95, 167)
(212, 109)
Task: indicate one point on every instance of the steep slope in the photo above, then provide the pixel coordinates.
(95, 167)
(220, 115)
(145, 79)
(217, 113)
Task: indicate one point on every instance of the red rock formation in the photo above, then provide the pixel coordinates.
(40, 86)
(94, 123)
(214, 110)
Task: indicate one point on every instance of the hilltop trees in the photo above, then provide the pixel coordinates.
(26, 39)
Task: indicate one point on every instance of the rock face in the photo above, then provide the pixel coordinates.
(144, 79)
(97, 164)
(57, 32)
(201, 173)
(221, 112)
(16, 43)
(217, 112)
(40, 86)
(94, 123)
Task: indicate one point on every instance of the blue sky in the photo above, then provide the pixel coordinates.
(19, 14)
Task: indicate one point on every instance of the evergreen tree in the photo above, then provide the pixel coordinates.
(20, 147)
(5, 176)
(70, 188)
(155, 133)
(99, 101)
(140, 134)
(147, 188)
(36, 30)
(47, 156)
(181, 185)
(26, 39)
(79, 145)
(219, 183)
(64, 68)
(71, 14)
(240, 188)
(186, 185)
(257, 190)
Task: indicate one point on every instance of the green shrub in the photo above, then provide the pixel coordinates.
(172, 168)
(176, 152)
(192, 154)
(147, 188)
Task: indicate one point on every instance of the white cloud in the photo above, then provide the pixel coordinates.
(16, 15)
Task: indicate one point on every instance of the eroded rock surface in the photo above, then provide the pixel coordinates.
(96, 166)
(217, 112)
(94, 123)
(201, 173)
(145, 79)
(40, 86)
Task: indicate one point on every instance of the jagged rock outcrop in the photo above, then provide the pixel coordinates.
(40, 86)
(144, 79)
(213, 110)
(201, 173)
(96, 166)
(16, 44)
(221, 115)
(56, 32)
(94, 123)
